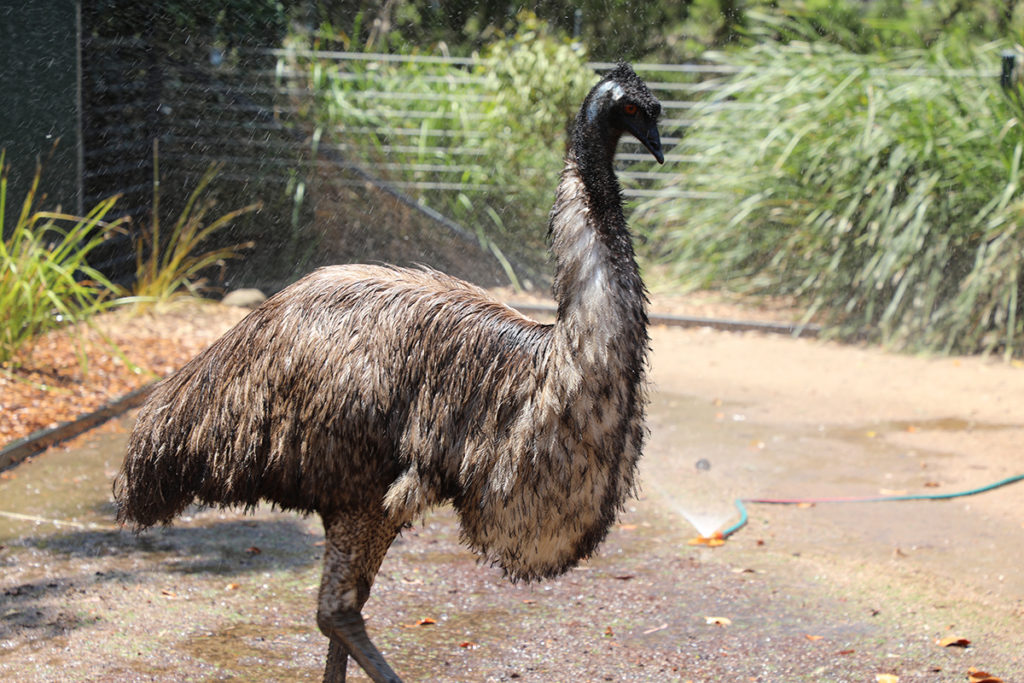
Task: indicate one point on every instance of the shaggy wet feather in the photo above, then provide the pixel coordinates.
(368, 394)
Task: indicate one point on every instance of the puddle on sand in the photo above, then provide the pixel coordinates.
(64, 488)
(257, 652)
(871, 430)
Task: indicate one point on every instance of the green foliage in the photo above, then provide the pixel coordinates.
(865, 27)
(498, 131)
(610, 29)
(858, 28)
(170, 266)
(45, 279)
(886, 193)
(534, 83)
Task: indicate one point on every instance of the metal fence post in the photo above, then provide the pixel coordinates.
(1008, 74)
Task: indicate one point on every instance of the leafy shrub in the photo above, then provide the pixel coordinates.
(884, 192)
(488, 140)
(534, 83)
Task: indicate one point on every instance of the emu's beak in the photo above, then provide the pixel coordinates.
(650, 139)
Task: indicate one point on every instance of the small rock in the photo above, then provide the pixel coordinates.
(244, 298)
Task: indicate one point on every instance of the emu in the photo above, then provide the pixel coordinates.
(367, 394)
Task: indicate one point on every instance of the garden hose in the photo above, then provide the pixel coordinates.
(741, 503)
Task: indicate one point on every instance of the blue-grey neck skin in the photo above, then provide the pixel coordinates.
(599, 125)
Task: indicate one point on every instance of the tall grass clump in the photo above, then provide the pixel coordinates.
(45, 278)
(884, 192)
(172, 264)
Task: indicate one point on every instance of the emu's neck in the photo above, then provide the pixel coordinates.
(601, 299)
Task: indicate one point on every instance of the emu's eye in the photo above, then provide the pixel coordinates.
(630, 108)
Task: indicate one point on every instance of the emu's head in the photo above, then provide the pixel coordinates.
(621, 103)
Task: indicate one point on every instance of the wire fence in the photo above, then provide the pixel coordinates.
(378, 185)
(678, 86)
(254, 115)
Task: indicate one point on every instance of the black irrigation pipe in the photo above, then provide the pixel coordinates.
(807, 331)
(39, 441)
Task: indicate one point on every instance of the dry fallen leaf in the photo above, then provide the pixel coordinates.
(656, 628)
(168, 593)
(886, 678)
(718, 621)
(804, 506)
(469, 644)
(253, 550)
(232, 587)
(627, 527)
(846, 652)
(608, 631)
(977, 676)
(48, 385)
(952, 641)
(808, 636)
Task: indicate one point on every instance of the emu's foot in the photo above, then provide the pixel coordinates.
(348, 636)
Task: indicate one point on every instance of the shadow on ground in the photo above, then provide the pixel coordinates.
(811, 594)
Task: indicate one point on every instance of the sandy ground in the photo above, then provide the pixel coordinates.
(830, 592)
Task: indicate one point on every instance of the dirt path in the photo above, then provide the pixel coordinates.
(826, 593)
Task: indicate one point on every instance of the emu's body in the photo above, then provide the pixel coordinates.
(367, 394)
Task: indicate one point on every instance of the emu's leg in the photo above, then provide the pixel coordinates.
(337, 662)
(355, 546)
